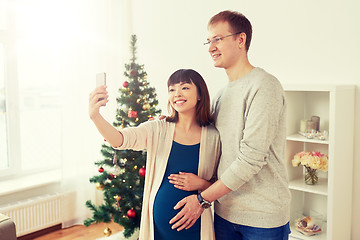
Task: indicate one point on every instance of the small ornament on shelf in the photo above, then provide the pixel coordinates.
(316, 121)
(307, 226)
(311, 129)
(315, 134)
(311, 161)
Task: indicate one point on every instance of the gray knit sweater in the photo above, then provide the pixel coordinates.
(250, 116)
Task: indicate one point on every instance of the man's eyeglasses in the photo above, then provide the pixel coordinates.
(218, 39)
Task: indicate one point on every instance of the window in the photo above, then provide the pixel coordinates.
(30, 91)
(4, 163)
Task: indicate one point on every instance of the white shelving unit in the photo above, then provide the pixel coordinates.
(332, 196)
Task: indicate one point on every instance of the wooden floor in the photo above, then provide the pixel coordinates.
(80, 232)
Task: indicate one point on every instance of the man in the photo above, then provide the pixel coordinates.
(251, 195)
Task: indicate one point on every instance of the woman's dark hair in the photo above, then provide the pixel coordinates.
(203, 114)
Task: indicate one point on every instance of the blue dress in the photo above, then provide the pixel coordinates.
(182, 158)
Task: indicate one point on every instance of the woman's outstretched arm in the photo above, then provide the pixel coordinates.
(98, 98)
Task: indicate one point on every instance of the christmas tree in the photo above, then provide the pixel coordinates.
(122, 172)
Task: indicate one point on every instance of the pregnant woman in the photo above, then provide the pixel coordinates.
(182, 155)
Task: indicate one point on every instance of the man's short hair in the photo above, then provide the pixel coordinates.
(237, 21)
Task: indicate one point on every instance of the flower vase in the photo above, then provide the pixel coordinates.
(311, 177)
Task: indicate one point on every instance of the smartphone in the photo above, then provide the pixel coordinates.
(100, 81)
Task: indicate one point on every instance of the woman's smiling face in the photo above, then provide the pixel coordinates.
(183, 97)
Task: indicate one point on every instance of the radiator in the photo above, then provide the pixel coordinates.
(34, 214)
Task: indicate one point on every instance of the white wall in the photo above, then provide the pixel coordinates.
(297, 41)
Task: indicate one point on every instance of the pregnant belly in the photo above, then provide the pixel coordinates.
(166, 198)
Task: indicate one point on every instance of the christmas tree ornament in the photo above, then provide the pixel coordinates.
(122, 162)
(138, 100)
(114, 158)
(101, 169)
(125, 84)
(116, 170)
(99, 186)
(133, 73)
(146, 106)
(117, 198)
(132, 114)
(131, 213)
(142, 172)
(135, 167)
(112, 176)
(107, 232)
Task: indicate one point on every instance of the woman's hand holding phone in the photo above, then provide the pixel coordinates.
(99, 96)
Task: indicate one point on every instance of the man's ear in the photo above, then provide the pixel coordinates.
(242, 40)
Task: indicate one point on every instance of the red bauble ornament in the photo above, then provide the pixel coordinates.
(125, 84)
(142, 172)
(112, 176)
(131, 213)
(133, 73)
(100, 169)
(132, 114)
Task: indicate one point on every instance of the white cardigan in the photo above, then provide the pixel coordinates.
(157, 137)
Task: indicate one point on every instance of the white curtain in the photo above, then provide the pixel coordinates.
(95, 35)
